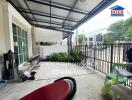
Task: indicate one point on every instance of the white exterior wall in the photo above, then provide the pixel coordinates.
(2, 31)
(9, 15)
(46, 35)
(48, 50)
(2, 38)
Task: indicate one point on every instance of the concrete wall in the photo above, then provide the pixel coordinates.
(48, 50)
(46, 35)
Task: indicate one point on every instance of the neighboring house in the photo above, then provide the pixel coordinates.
(99, 39)
(95, 40)
(90, 41)
(96, 37)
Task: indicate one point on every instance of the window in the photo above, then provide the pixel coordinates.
(20, 43)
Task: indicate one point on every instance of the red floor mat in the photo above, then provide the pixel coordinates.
(58, 90)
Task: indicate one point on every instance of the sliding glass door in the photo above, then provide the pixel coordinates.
(20, 43)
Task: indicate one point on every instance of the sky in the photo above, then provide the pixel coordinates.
(104, 18)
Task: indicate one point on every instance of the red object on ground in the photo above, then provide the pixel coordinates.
(58, 90)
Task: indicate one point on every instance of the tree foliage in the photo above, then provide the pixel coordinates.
(116, 29)
(128, 29)
(128, 34)
(120, 29)
(109, 38)
(81, 39)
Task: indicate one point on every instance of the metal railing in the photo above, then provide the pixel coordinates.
(101, 57)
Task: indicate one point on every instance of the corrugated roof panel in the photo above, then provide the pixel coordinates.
(87, 5)
(76, 16)
(42, 17)
(64, 2)
(39, 7)
(59, 12)
(64, 12)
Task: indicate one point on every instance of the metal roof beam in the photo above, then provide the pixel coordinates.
(70, 12)
(58, 6)
(30, 10)
(47, 15)
(46, 21)
(52, 28)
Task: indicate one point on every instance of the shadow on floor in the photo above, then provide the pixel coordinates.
(107, 97)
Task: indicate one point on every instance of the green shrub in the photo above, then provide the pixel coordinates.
(58, 57)
(77, 56)
(54, 57)
(71, 58)
(64, 57)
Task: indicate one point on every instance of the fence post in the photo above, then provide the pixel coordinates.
(94, 56)
(111, 59)
(85, 54)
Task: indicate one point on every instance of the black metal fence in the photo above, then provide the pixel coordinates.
(101, 57)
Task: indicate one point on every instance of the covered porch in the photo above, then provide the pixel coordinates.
(28, 23)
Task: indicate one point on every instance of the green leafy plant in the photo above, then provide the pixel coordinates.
(76, 56)
(64, 57)
(58, 57)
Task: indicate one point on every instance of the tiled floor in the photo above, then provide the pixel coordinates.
(89, 83)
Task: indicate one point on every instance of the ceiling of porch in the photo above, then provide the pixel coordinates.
(61, 15)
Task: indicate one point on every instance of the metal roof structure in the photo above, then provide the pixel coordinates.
(61, 15)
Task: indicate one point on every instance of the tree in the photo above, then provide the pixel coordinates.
(128, 29)
(117, 29)
(109, 38)
(120, 29)
(81, 39)
(128, 22)
(128, 34)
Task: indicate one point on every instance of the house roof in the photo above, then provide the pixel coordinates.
(60, 15)
(117, 8)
